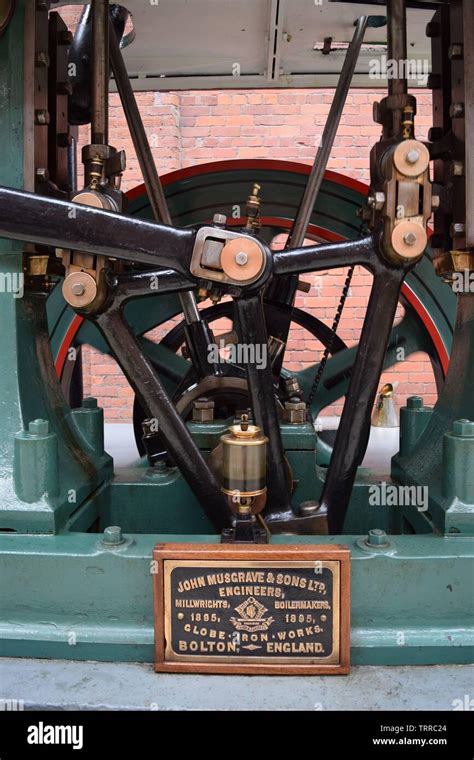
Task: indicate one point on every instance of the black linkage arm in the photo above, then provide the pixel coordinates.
(144, 380)
(48, 221)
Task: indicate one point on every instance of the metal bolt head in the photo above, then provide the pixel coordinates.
(435, 201)
(294, 411)
(204, 403)
(203, 410)
(41, 117)
(308, 508)
(458, 168)
(463, 428)
(295, 405)
(38, 427)
(377, 537)
(292, 385)
(457, 229)
(78, 289)
(42, 174)
(41, 59)
(379, 200)
(455, 52)
(89, 403)
(413, 156)
(219, 220)
(410, 238)
(414, 402)
(113, 535)
(456, 110)
(241, 258)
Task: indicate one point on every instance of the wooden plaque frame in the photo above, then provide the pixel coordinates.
(265, 558)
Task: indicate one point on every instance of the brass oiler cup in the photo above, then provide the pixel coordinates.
(244, 466)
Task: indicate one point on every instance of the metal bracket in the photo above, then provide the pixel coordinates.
(207, 258)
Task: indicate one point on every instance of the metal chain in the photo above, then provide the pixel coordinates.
(328, 349)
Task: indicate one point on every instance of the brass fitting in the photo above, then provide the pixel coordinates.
(253, 210)
(244, 464)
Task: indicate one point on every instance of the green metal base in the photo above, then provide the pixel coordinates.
(68, 596)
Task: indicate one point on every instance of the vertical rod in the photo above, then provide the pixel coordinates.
(151, 178)
(100, 72)
(397, 43)
(252, 331)
(300, 224)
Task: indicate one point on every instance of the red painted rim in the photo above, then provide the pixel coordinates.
(249, 163)
(67, 340)
(428, 323)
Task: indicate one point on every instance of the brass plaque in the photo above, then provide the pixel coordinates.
(252, 608)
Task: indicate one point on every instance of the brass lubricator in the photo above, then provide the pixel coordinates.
(244, 452)
(253, 211)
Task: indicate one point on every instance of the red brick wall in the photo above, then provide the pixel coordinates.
(187, 128)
